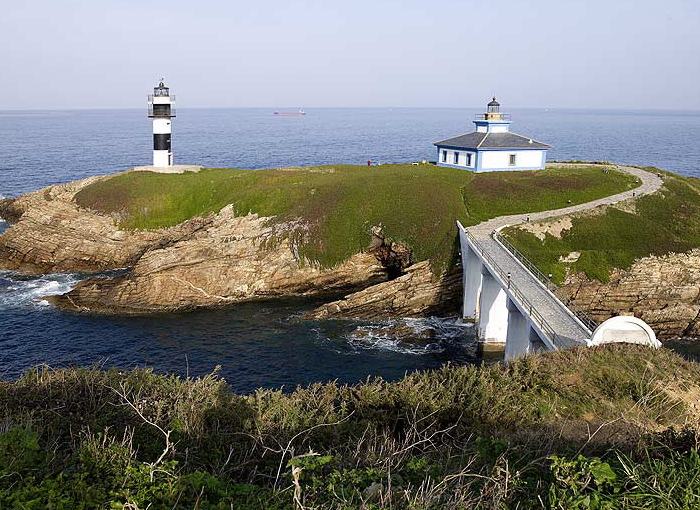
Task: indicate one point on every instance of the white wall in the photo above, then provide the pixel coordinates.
(462, 158)
(161, 158)
(500, 160)
(492, 127)
(162, 100)
(161, 126)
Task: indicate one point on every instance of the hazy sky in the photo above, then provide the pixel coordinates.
(558, 53)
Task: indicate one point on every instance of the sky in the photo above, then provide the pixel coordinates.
(537, 53)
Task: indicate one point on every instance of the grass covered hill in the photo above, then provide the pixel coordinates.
(578, 429)
(415, 204)
(657, 224)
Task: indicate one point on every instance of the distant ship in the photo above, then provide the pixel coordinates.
(300, 112)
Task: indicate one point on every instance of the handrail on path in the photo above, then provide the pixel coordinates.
(586, 319)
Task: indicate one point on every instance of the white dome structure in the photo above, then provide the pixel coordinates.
(624, 329)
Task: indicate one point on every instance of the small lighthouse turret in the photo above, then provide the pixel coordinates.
(493, 121)
(161, 109)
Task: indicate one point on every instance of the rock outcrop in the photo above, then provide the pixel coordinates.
(662, 291)
(229, 260)
(50, 233)
(212, 261)
(10, 211)
(418, 293)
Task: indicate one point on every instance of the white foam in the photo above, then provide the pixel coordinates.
(2, 221)
(378, 336)
(372, 341)
(19, 291)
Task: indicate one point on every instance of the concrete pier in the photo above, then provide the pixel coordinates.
(493, 316)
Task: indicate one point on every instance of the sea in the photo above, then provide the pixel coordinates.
(266, 344)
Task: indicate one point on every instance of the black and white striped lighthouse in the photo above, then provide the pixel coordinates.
(161, 108)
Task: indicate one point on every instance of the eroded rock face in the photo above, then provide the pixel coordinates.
(418, 293)
(204, 262)
(9, 210)
(229, 260)
(50, 233)
(662, 291)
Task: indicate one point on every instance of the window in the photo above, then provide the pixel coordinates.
(456, 158)
(444, 156)
(511, 160)
(469, 159)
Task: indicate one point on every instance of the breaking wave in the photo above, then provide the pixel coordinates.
(412, 336)
(19, 290)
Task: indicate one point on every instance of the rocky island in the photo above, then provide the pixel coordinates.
(361, 234)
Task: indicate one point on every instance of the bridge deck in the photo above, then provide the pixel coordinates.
(567, 330)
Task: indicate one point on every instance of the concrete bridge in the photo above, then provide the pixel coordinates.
(514, 304)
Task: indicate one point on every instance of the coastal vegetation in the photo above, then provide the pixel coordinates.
(594, 428)
(335, 207)
(656, 224)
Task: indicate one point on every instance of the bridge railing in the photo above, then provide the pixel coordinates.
(517, 293)
(586, 319)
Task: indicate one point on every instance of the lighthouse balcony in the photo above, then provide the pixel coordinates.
(493, 116)
(161, 110)
(161, 98)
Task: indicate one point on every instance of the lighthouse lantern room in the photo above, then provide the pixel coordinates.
(161, 108)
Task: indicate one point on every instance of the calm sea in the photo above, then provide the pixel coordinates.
(264, 344)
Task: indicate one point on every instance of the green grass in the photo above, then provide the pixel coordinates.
(458, 437)
(501, 193)
(665, 222)
(415, 204)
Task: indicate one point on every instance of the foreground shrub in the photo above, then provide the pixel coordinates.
(561, 430)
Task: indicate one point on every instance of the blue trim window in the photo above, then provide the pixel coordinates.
(469, 159)
(456, 158)
(511, 160)
(444, 156)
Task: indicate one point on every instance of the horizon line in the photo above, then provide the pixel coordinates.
(93, 108)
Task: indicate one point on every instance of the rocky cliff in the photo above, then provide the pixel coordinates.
(417, 293)
(212, 261)
(229, 259)
(50, 233)
(662, 291)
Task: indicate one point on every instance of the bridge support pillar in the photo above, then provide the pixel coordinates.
(518, 335)
(536, 343)
(493, 311)
(471, 282)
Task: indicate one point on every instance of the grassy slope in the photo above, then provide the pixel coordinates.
(468, 437)
(664, 222)
(500, 193)
(415, 204)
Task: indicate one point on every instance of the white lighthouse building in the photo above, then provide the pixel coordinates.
(161, 110)
(492, 146)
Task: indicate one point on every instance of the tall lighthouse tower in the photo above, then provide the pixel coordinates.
(161, 109)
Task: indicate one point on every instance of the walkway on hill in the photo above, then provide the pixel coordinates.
(569, 331)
